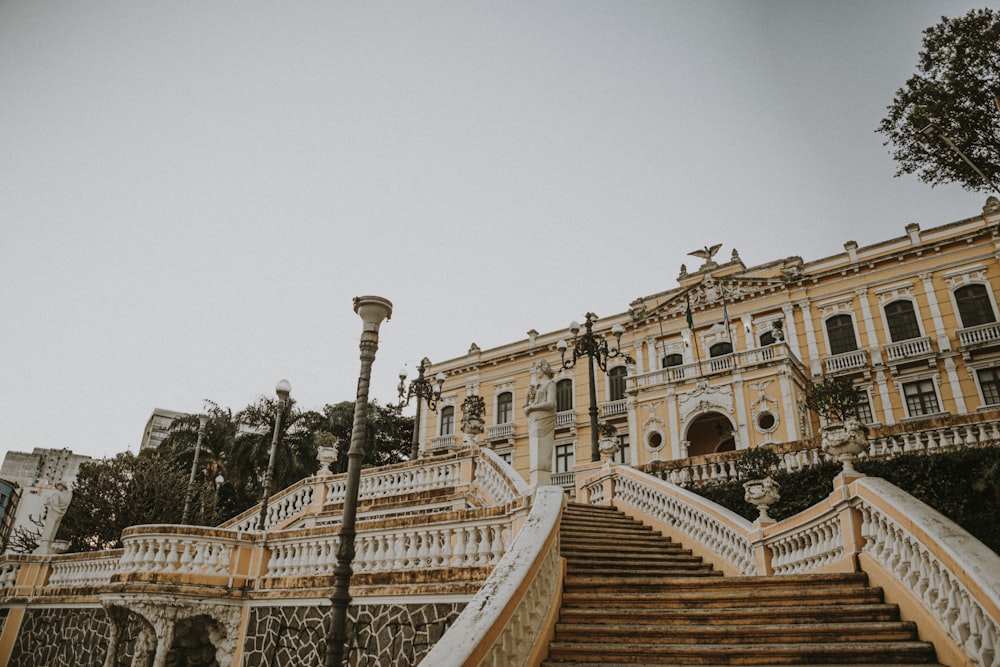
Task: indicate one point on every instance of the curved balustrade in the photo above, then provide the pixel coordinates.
(509, 619)
(720, 530)
(86, 569)
(956, 578)
(280, 507)
(498, 478)
(177, 550)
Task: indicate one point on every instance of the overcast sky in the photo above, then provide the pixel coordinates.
(191, 193)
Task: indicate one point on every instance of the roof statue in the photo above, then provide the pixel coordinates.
(706, 253)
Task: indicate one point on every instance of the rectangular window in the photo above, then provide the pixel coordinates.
(624, 453)
(506, 456)
(447, 420)
(989, 382)
(564, 458)
(863, 410)
(505, 408)
(921, 399)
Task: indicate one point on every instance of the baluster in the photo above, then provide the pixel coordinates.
(470, 546)
(458, 551)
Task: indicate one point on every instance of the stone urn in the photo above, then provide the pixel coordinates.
(472, 427)
(845, 440)
(608, 447)
(326, 456)
(762, 494)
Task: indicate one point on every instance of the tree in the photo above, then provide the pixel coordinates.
(295, 457)
(834, 398)
(387, 433)
(951, 104)
(212, 504)
(112, 494)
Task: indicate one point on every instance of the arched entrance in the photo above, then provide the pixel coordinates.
(193, 644)
(710, 433)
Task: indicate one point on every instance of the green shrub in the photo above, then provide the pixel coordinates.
(963, 485)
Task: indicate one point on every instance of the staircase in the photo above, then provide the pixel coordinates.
(633, 597)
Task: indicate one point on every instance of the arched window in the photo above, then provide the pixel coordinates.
(617, 384)
(902, 320)
(564, 395)
(447, 420)
(840, 333)
(672, 360)
(505, 407)
(720, 349)
(974, 305)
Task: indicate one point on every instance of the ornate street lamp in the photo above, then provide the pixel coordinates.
(372, 309)
(424, 390)
(283, 389)
(202, 422)
(596, 349)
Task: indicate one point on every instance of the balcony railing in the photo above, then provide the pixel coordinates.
(848, 361)
(500, 431)
(975, 336)
(565, 418)
(770, 354)
(907, 349)
(612, 408)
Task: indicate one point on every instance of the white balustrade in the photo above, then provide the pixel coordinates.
(8, 576)
(807, 547)
(95, 569)
(907, 349)
(612, 408)
(686, 512)
(500, 481)
(985, 333)
(846, 361)
(474, 543)
(500, 430)
(921, 567)
(512, 607)
(198, 554)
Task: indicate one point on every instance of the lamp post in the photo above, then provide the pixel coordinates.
(372, 310)
(597, 351)
(283, 389)
(424, 390)
(202, 422)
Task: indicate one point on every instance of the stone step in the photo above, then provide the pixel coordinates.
(757, 633)
(605, 663)
(803, 614)
(806, 653)
(749, 586)
(709, 597)
(607, 576)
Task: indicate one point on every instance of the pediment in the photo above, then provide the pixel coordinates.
(710, 292)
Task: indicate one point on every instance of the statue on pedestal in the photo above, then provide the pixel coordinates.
(541, 412)
(55, 507)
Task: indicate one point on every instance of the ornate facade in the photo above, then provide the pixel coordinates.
(722, 360)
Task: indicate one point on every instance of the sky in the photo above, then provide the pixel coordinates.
(191, 193)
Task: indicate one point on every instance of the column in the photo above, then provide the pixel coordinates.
(791, 331)
(956, 386)
(944, 344)
(866, 313)
(883, 392)
(792, 430)
(815, 363)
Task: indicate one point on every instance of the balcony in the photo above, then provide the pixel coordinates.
(500, 431)
(914, 348)
(778, 353)
(979, 338)
(565, 418)
(612, 408)
(846, 362)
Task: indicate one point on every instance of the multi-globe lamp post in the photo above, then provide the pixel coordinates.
(283, 389)
(597, 351)
(372, 310)
(424, 391)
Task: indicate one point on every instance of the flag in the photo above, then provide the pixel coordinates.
(725, 318)
(689, 318)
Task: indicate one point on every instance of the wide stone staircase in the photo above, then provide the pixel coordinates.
(634, 597)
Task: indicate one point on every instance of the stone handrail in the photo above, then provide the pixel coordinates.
(9, 569)
(498, 478)
(810, 544)
(468, 543)
(883, 442)
(83, 569)
(510, 619)
(954, 576)
(721, 531)
(281, 506)
(398, 480)
(205, 554)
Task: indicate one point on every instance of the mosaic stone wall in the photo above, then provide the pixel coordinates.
(69, 637)
(378, 635)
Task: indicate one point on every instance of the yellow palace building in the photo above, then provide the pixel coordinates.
(721, 361)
